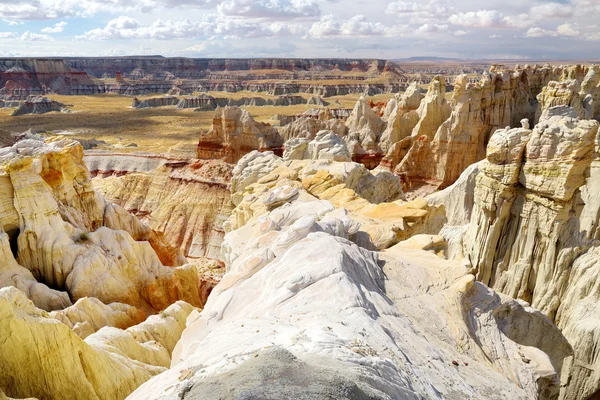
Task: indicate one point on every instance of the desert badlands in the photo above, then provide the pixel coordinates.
(298, 229)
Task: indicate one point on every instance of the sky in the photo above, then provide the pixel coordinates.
(467, 29)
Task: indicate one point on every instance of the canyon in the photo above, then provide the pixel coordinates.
(439, 241)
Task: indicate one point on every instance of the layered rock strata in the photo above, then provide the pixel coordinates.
(42, 357)
(187, 200)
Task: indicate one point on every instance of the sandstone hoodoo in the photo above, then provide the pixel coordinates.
(235, 133)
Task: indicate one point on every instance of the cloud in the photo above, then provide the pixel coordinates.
(57, 28)
(491, 19)
(4, 35)
(551, 10)
(35, 37)
(125, 27)
(330, 25)
(271, 9)
(567, 30)
(432, 28)
(420, 12)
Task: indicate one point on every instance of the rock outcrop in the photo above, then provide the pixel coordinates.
(73, 240)
(43, 358)
(235, 133)
(39, 105)
(186, 200)
(533, 230)
(439, 155)
(155, 102)
(325, 146)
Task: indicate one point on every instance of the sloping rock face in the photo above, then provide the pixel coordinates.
(235, 133)
(533, 231)
(187, 200)
(155, 102)
(73, 240)
(43, 358)
(270, 329)
(38, 105)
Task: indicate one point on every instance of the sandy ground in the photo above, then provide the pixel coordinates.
(157, 130)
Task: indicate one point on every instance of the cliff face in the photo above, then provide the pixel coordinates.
(533, 230)
(194, 68)
(187, 200)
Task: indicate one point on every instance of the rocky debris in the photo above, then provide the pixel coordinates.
(390, 307)
(39, 105)
(108, 364)
(71, 239)
(187, 200)
(155, 102)
(532, 233)
(235, 133)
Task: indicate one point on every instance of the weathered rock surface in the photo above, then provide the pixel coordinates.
(235, 133)
(73, 240)
(532, 233)
(325, 146)
(390, 333)
(186, 200)
(155, 102)
(42, 357)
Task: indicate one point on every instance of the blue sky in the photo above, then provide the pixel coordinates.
(511, 29)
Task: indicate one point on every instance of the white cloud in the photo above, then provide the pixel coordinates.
(125, 27)
(4, 35)
(358, 25)
(421, 12)
(551, 10)
(35, 37)
(57, 28)
(491, 19)
(431, 28)
(276, 9)
(567, 30)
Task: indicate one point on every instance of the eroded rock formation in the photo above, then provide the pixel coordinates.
(235, 133)
(533, 230)
(42, 357)
(73, 240)
(187, 200)
(385, 336)
(39, 105)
